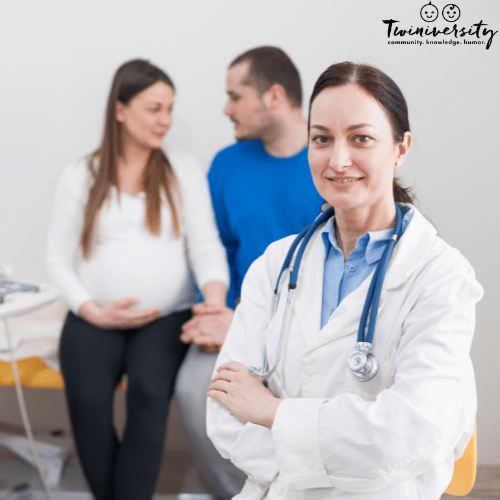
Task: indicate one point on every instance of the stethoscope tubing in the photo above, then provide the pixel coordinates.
(372, 299)
(375, 290)
(302, 239)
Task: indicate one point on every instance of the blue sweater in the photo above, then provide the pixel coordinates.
(258, 198)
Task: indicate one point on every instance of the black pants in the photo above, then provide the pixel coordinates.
(92, 363)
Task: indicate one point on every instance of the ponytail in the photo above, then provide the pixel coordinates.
(402, 194)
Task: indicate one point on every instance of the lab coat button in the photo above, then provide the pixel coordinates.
(308, 370)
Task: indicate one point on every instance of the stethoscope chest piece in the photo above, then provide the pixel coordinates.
(362, 362)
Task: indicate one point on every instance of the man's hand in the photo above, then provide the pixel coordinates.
(209, 326)
(244, 395)
(117, 314)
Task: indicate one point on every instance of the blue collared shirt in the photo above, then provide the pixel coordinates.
(341, 278)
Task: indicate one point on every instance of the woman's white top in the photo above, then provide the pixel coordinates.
(126, 259)
(395, 437)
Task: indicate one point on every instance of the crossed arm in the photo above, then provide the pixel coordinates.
(433, 392)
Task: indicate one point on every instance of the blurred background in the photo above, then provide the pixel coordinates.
(58, 58)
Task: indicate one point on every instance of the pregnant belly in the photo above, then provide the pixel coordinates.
(157, 273)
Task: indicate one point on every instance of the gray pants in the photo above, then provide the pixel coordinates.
(191, 388)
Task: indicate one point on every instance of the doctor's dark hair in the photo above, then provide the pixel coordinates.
(384, 90)
(270, 65)
(131, 78)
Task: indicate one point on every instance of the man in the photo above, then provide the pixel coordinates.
(262, 191)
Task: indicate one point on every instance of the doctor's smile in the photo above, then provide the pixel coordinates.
(344, 180)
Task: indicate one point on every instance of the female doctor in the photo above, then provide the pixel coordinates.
(318, 431)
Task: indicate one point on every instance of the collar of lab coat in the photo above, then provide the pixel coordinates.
(407, 256)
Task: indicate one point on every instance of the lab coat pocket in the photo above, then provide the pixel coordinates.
(369, 390)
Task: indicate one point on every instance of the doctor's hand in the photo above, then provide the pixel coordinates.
(208, 327)
(117, 314)
(244, 395)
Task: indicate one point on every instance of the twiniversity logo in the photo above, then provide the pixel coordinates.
(476, 34)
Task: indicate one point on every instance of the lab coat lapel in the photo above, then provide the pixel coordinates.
(410, 251)
(407, 256)
(345, 319)
(307, 300)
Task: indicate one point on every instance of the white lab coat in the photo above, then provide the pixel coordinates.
(395, 437)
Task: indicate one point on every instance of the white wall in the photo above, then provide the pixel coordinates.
(58, 58)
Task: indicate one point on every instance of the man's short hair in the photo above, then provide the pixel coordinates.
(270, 65)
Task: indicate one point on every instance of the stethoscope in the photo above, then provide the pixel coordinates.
(362, 362)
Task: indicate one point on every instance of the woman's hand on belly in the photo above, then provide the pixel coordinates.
(117, 314)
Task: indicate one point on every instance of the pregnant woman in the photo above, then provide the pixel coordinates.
(131, 225)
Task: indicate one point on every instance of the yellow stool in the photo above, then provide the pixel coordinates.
(34, 373)
(464, 473)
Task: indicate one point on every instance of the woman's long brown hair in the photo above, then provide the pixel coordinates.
(130, 79)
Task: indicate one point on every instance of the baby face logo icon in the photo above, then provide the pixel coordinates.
(451, 13)
(429, 12)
